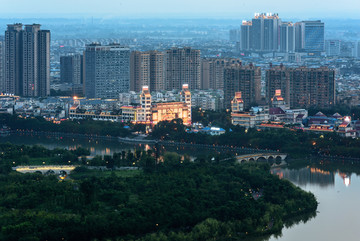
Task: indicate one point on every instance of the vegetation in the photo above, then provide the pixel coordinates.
(172, 200)
(353, 111)
(296, 143)
(14, 155)
(89, 126)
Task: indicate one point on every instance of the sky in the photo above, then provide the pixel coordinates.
(179, 8)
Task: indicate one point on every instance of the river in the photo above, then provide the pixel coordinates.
(338, 192)
(338, 214)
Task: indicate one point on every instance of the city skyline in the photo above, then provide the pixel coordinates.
(162, 8)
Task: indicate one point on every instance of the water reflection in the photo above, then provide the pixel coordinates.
(307, 175)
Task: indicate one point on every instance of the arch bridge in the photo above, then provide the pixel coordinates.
(278, 158)
(45, 169)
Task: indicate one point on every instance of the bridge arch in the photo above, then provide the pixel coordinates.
(261, 159)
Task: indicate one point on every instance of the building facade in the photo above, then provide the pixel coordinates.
(147, 68)
(183, 66)
(302, 87)
(277, 78)
(71, 69)
(310, 37)
(107, 70)
(244, 79)
(287, 37)
(212, 72)
(312, 87)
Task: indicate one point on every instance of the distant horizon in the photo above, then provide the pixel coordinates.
(239, 9)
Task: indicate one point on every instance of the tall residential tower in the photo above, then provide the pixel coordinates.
(27, 60)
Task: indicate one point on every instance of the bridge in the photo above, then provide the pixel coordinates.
(48, 169)
(279, 158)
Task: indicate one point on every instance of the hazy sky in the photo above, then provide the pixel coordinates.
(179, 8)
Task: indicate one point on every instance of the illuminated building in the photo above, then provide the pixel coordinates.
(185, 97)
(169, 111)
(129, 113)
(144, 114)
(237, 104)
(173, 110)
(345, 129)
(255, 116)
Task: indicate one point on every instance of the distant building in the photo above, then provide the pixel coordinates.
(139, 70)
(183, 65)
(2, 64)
(287, 37)
(107, 70)
(277, 78)
(312, 87)
(72, 71)
(147, 68)
(246, 36)
(244, 79)
(27, 60)
(332, 47)
(310, 37)
(212, 72)
(302, 87)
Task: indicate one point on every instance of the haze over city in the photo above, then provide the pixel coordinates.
(178, 8)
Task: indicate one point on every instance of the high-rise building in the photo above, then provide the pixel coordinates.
(245, 35)
(107, 70)
(312, 87)
(264, 32)
(277, 78)
(157, 70)
(257, 32)
(147, 68)
(310, 36)
(332, 47)
(271, 32)
(27, 55)
(212, 72)
(183, 66)
(287, 37)
(302, 87)
(244, 79)
(139, 70)
(2, 64)
(71, 69)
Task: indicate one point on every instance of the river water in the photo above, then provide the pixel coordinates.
(338, 192)
(338, 214)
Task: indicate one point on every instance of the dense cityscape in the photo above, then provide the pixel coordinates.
(210, 129)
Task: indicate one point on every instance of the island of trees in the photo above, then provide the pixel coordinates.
(168, 198)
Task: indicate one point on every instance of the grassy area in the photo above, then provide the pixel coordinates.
(98, 173)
